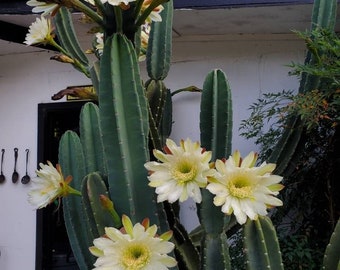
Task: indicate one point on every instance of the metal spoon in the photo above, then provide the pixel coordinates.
(15, 175)
(26, 178)
(2, 177)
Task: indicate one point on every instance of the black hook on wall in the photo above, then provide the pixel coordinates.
(2, 177)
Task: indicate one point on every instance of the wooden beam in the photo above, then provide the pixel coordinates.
(14, 7)
(12, 32)
(211, 4)
(20, 7)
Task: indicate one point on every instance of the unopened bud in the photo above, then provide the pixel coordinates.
(106, 202)
(62, 58)
(108, 205)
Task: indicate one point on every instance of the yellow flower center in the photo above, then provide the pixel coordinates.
(240, 186)
(184, 171)
(136, 256)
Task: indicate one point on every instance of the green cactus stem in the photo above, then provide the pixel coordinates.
(71, 159)
(123, 123)
(216, 131)
(69, 41)
(98, 216)
(160, 45)
(91, 139)
(331, 260)
(261, 245)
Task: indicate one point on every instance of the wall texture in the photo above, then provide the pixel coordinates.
(254, 64)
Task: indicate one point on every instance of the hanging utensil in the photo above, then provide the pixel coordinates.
(26, 178)
(15, 175)
(2, 177)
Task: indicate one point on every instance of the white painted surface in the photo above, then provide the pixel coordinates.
(254, 64)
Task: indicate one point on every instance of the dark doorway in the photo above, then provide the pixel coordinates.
(53, 249)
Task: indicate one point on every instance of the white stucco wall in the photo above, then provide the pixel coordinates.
(253, 63)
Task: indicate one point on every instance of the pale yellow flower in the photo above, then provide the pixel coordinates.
(155, 13)
(183, 171)
(40, 31)
(135, 247)
(243, 189)
(44, 7)
(49, 185)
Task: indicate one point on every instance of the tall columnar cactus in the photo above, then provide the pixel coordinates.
(108, 158)
(291, 144)
(71, 158)
(216, 135)
(124, 125)
(158, 64)
(112, 147)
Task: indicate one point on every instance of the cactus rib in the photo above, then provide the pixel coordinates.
(216, 128)
(122, 104)
(67, 36)
(72, 162)
(160, 45)
(91, 139)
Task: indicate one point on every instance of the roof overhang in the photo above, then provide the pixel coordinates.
(20, 7)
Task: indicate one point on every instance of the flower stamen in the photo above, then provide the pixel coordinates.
(184, 172)
(240, 187)
(136, 256)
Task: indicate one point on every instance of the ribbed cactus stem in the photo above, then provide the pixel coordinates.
(123, 119)
(71, 159)
(216, 128)
(261, 245)
(331, 260)
(91, 139)
(99, 217)
(69, 40)
(160, 45)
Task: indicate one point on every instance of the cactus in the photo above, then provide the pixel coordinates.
(91, 139)
(108, 157)
(122, 110)
(291, 143)
(71, 159)
(331, 260)
(216, 128)
(93, 187)
(261, 245)
(69, 41)
(160, 44)
(158, 64)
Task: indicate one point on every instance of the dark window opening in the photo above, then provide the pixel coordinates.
(53, 250)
